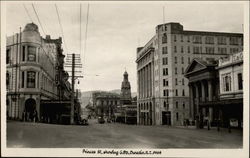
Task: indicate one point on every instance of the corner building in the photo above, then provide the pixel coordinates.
(163, 93)
(34, 67)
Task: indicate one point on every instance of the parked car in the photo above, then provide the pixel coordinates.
(83, 120)
(101, 120)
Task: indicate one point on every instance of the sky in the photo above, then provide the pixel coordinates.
(116, 29)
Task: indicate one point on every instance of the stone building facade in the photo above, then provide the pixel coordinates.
(34, 69)
(216, 91)
(203, 91)
(105, 103)
(163, 93)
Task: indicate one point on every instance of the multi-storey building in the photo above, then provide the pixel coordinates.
(34, 71)
(105, 103)
(163, 94)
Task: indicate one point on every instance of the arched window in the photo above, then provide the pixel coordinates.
(31, 53)
(31, 79)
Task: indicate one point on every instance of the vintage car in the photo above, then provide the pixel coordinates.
(101, 120)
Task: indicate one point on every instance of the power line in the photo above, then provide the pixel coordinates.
(27, 13)
(80, 28)
(85, 38)
(38, 18)
(58, 17)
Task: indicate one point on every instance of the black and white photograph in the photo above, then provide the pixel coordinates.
(125, 78)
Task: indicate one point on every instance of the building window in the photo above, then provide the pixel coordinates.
(188, 38)
(233, 50)
(188, 49)
(165, 92)
(240, 86)
(209, 40)
(164, 38)
(234, 41)
(182, 70)
(209, 50)
(181, 49)
(176, 92)
(175, 49)
(183, 83)
(175, 60)
(189, 60)
(181, 38)
(183, 105)
(166, 105)
(23, 53)
(165, 50)
(7, 56)
(197, 39)
(7, 80)
(176, 81)
(31, 53)
(226, 82)
(177, 116)
(222, 50)
(175, 38)
(22, 82)
(197, 50)
(165, 61)
(165, 71)
(165, 82)
(182, 60)
(31, 79)
(183, 92)
(176, 104)
(222, 40)
(176, 70)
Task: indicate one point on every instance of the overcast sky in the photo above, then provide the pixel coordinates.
(116, 29)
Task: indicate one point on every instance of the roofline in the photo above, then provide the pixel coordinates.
(212, 33)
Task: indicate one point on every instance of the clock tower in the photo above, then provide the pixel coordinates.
(125, 90)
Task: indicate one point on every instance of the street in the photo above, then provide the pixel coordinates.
(114, 135)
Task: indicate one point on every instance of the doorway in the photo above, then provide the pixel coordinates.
(166, 118)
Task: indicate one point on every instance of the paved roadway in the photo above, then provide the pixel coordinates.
(39, 135)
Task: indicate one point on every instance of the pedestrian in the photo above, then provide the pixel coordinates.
(23, 116)
(35, 116)
(28, 117)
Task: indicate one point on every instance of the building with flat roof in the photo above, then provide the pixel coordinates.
(163, 93)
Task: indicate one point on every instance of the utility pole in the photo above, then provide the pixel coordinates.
(72, 91)
(73, 61)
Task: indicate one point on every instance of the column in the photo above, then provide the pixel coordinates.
(203, 93)
(138, 114)
(150, 80)
(210, 91)
(147, 84)
(147, 81)
(138, 83)
(143, 78)
(25, 79)
(191, 101)
(197, 98)
(210, 114)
